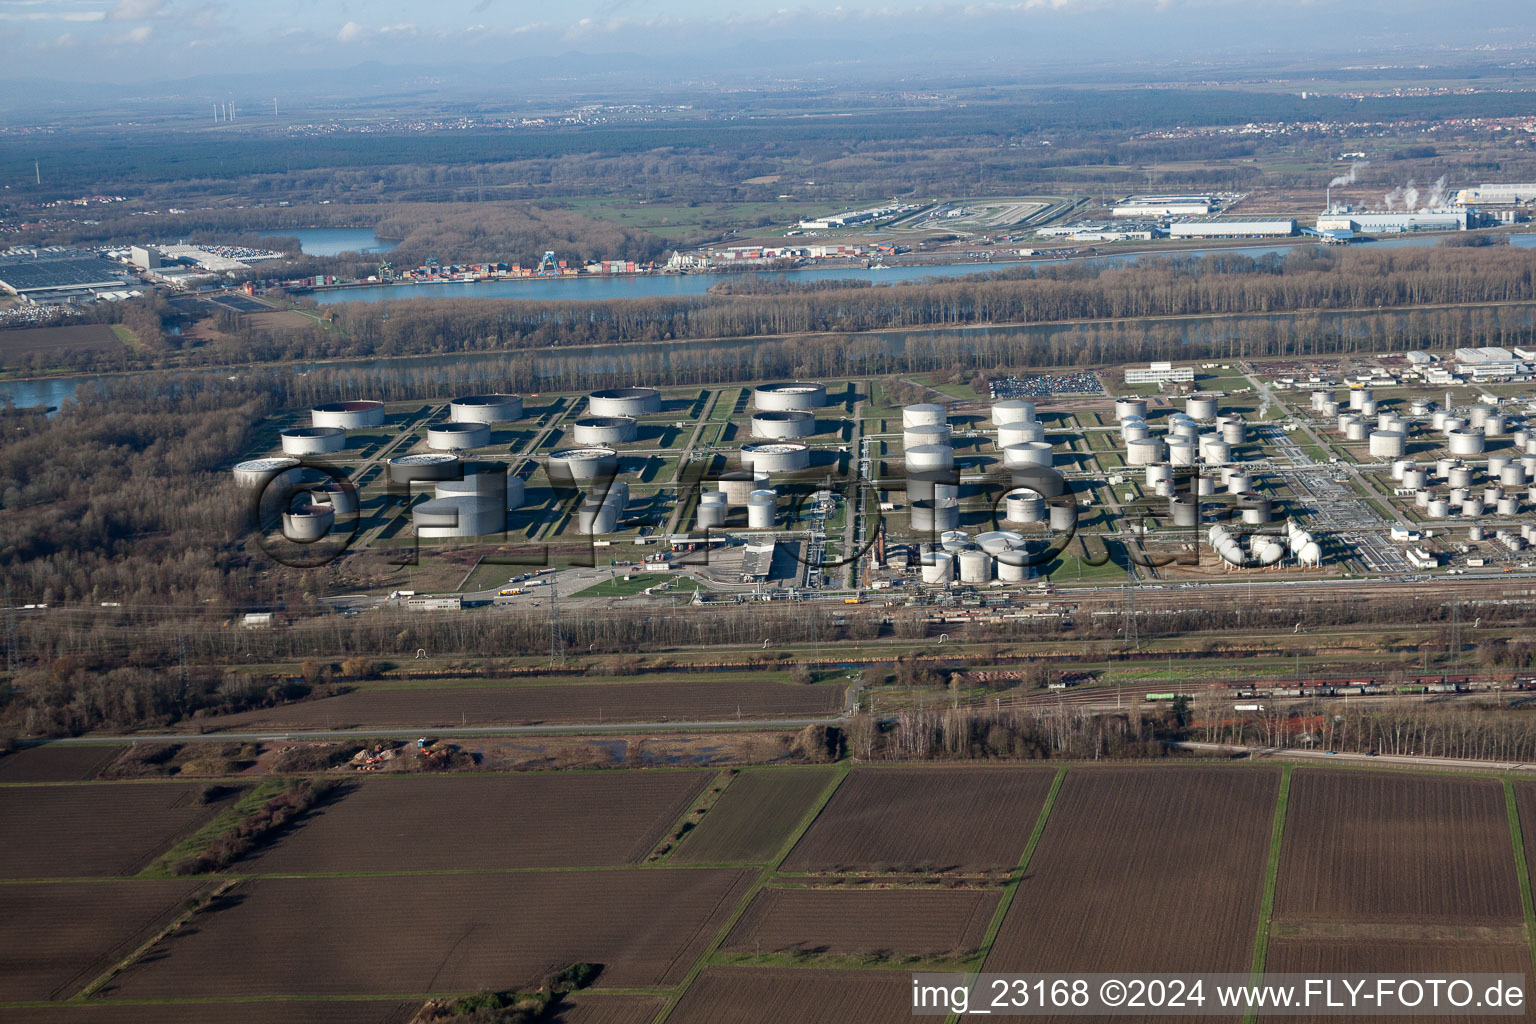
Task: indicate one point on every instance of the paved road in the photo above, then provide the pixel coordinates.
(1416, 760)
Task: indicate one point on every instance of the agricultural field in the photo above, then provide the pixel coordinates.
(55, 764)
(743, 995)
(878, 922)
(483, 822)
(284, 1011)
(75, 931)
(959, 820)
(100, 829)
(754, 817)
(47, 341)
(438, 933)
(532, 703)
(1367, 847)
(1125, 852)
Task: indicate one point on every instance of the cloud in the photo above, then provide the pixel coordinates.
(351, 32)
(136, 10)
(52, 15)
(139, 35)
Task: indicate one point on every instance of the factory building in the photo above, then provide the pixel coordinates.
(1232, 229)
(1393, 223)
(1165, 206)
(1490, 194)
(1160, 373)
(58, 274)
(1489, 363)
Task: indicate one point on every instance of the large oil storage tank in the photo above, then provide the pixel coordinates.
(775, 457)
(1496, 464)
(1438, 508)
(341, 496)
(1454, 423)
(454, 437)
(1183, 511)
(313, 440)
(1472, 508)
(354, 415)
(923, 414)
(1020, 432)
(1239, 483)
(995, 542)
(1234, 431)
(929, 456)
(1201, 407)
(254, 474)
(1014, 566)
(762, 509)
(484, 481)
(712, 510)
(425, 467)
(1478, 415)
(789, 396)
(1135, 431)
(1062, 516)
(1161, 472)
(1465, 441)
(1513, 475)
(1359, 396)
(1414, 478)
(1389, 421)
(1354, 431)
(1145, 451)
(1182, 451)
(577, 465)
(934, 515)
(605, 430)
(938, 568)
(1388, 444)
(1214, 450)
(1367, 410)
(1345, 419)
(459, 516)
(975, 566)
(1255, 509)
(630, 402)
(1022, 505)
(1125, 407)
(597, 517)
(1012, 410)
(486, 409)
(1320, 399)
(1030, 453)
(925, 433)
(738, 487)
(783, 425)
(933, 483)
(308, 523)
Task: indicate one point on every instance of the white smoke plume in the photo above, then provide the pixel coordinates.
(1349, 178)
(1437, 193)
(1410, 197)
(1391, 198)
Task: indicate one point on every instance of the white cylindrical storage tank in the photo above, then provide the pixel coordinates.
(930, 456)
(632, 402)
(1135, 432)
(923, 414)
(342, 497)
(789, 396)
(604, 430)
(1182, 451)
(1472, 508)
(1496, 464)
(1061, 517)
(1022, 505)
(975, 566)
(1255, 510)
(1204, 486)
(1345, 419)
(933, 483)
(1438, 508)
(1234, 432)
(1513, 475)
(1388, 421)
(254, 474)
(1388, 444)
(454, 437)
(1400, 467)
(486, 409)
(473, 483)
(1188, 430)
(426, 467)
(1454, 423)
(1491, 495)
(309, 523)
(595, 517)
(1125, 407)
(313, 440)
(1438, 417)
(1021, 432)
(461, 516)
(770, 457)
(1215, 452)
(1459, 476)
(1443, 467)
(762, 510)
(1163, 489)
(1012, 410)
(1320, 399)
(938, 568)
(1158, 473)
(1520, 438)
(1414, 478)
(1183, 511)
(1330, 408)
(569, 465)
(1013, 567)
(1367, 409)
(1031, 453)
(1457, 495)
(1145, 451)
(737, 487)
(1528, 463)
(1354, 431)
(783, 425)
(1239, 483)
(711, 514)
(926, 433)
(1476, 533)
(1422, 498)
(1359, 396)
(933, 515)
(995, 542)
(1418, 407)
(1478, 415)
(355, 415)
(1465, 441)
(1201, 407)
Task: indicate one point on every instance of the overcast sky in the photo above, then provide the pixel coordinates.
(152, 40)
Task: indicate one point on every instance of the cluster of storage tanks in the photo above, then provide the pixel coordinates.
(1502, 486)
(317, 502)
(1255, 550)
(997, 553)
(469, 499)
(1465, 432)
